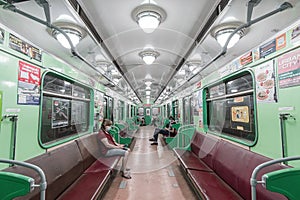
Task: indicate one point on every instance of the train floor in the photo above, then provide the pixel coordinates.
(155, 173)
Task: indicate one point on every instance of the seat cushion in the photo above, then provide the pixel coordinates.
(211, 186)
(190, 161)
(87, 186)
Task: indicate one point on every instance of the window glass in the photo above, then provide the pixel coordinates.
(64, 113)
(216, 91)
(233, 115)
(240, 84)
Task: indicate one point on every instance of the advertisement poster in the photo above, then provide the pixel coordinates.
(99, 110)
(246, 59)
(23, 47)
(60, 113)
(289, 69)
(198, 106)
(267, 48)
(295, 35)
(1, 36)
(280, 42)
(265, 82)
(240, 114)
(28, 84)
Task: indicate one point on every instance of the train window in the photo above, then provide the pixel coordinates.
(65, 109)
(121, 110)
(232, 113)
(216, 91)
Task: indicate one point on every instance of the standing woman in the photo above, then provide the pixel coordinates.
(111, 148)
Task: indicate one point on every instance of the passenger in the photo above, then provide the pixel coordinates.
(111, 148)
(166, 131)
(143, 123)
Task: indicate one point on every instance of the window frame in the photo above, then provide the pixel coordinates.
(52, 95)
(244, 93)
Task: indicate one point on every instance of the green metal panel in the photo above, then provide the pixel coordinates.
(13, 185)
(285, 181)
(0, 108)
(27, 124)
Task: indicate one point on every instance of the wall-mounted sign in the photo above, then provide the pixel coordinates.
(60, 113)
(246, 59)
(295, 34)
(28, 84)
(1, 36)
(267, 48)
(240, 114)
(265, 82)
(280, 41)
(23, 47)
(289, 69)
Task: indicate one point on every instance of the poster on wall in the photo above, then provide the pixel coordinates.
(23, 47)
(265, 83)
(289, 69)
(60, 113)
(267, 48)
(28, 84)
(1, 36)
(198, 106)
(240, 114)
(99, 110)
(295, 34)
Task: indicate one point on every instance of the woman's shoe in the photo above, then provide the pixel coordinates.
(126, 175)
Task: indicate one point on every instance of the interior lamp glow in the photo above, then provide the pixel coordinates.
(148, 21)
(223, 35)
(222, 32)
(149, 56)
(73, 35)
(148, 16)
(73, 31)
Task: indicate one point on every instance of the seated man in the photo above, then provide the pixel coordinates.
(166, 131)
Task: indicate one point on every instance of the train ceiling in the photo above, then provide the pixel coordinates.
(112, 43)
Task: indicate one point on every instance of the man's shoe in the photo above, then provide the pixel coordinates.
(154, 143)
(152, 140)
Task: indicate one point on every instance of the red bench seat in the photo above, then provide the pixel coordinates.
(221, 170)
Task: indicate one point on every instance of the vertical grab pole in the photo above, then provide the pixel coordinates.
(283, 117)
(14, 120)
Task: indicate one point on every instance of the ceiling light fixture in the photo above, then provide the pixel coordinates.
(75, 33)
(149, 56)
(148, 16)
(223, 31)
(148, 83)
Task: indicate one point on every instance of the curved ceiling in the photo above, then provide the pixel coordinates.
(114, 40)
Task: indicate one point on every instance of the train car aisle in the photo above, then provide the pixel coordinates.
(155, 173)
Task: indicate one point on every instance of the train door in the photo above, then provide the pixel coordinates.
(148, 115)
(168, 110)
(155, 114)
(108, 108)
(187, 110)
(121, 108)
(175, 109)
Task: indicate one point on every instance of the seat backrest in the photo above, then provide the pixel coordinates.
(235, 165)
(61, 166)
(208, 149)
(89, 149)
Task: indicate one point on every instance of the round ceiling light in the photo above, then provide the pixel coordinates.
(223, 31)
(74, 32)
(148, 16)
(149, 56)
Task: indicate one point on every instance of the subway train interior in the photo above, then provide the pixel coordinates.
(150, 99)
